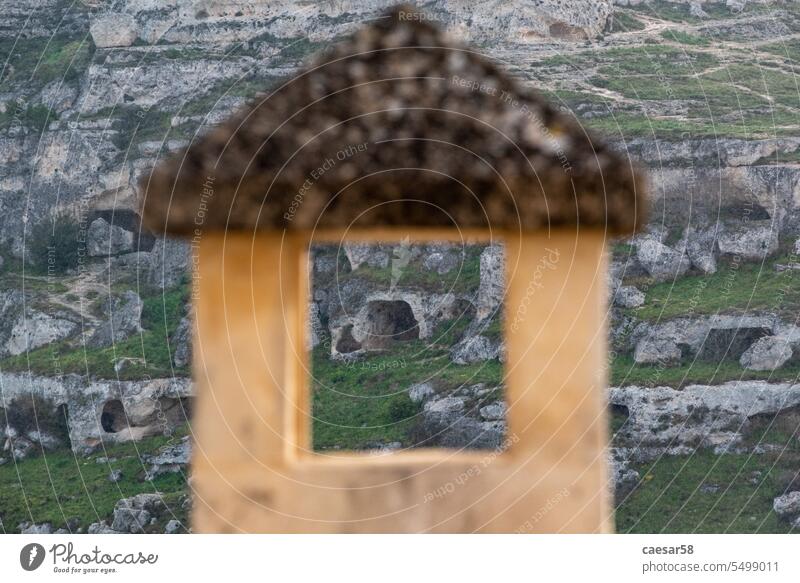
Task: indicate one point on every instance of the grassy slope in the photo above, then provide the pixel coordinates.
(359, 403)
(59, 486)
(737, 489)
(161, 314)
(670, 500)
(728, 90)
(735, 288)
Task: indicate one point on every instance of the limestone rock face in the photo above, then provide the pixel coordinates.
(699, 415)
(475, 349)
(360, 253)
(753, 242)
(709, 337)
(113, 30)
(169, 262)
(104, 239)
(59, 96)
(696, 10)
(767, 353)
(316, 331)
(124, 315)
(146, 407)
(528, 21)
(492, 283)
(440, 262)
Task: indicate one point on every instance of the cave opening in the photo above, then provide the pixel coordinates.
(128, 220)
(113, 418)
(388, 321)
(729, 343)
(346, 343)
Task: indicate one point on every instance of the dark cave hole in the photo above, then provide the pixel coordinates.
(113, 418)
(389, 321)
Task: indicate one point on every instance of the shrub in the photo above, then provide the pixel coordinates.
(401, 409)
(53, 244)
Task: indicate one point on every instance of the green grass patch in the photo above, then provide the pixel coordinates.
(15, 280)
(669, 498)
(780, 85)
(735, 288)
(626, 22)
(624, 371)
(685, 38)
(787, 50)
(37, 61)
(675, 12)
(365, 402)
(59, 486)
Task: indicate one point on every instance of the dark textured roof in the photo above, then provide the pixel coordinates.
(398, 125)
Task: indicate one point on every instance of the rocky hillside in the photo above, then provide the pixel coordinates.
(407, 346)
(704, 315)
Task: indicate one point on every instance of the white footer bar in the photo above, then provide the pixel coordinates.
(401, 558)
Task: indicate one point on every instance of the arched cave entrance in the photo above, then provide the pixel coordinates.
(167, 413)
(113, 418)
(389, 321)
(128, 220)
(346, 343)
(730, 343)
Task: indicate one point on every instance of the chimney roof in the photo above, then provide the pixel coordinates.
(396, 126)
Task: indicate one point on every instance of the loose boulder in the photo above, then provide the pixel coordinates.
(36, 329)
(662, 263)
(701, 248)
(421, 392)
(788, 505)
(104, 239)
(657, 351)
(766, 353)
(132, 515)
(170, 459)
(628, 296)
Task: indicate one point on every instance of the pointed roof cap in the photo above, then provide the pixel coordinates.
(396, 126)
